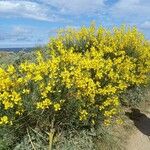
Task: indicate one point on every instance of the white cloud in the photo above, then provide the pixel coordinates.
(18, 35)
(21, 30)
(48, 10)
(75, 6)
(145, 25)
(26, 9)
(132, 12)
(136, 8)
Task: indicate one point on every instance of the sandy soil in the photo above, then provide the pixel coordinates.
(140, 139)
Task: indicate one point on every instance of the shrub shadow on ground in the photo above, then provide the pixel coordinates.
(141, 121)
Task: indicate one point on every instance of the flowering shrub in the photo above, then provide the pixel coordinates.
(79, 80)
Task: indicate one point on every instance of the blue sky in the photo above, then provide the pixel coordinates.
(27, 23)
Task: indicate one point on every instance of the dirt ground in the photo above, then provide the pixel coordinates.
(140, 138)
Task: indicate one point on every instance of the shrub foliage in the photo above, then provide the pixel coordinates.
(78, 80)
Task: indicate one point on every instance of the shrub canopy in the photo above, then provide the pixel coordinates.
(78, 79)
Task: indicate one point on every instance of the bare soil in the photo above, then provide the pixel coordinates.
(140, 138)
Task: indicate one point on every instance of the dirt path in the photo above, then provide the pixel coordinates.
(140, 139)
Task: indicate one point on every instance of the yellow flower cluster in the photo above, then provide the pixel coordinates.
(89, 67)
(4, 120)
(10, 95)
(44, 104)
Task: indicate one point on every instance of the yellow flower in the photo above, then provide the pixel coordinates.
(119, 121)
(57, 107)
(37, 78)
(93, 121)
(11, 69)
(83, 115)
(44, 104)
(4, 120)
(107, 122)
(26, 91)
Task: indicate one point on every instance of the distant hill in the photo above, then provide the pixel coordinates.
(16, 49)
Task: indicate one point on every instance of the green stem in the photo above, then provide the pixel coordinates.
(51, 135)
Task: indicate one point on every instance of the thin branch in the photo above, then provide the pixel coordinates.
(30, 140)
(38, 133)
